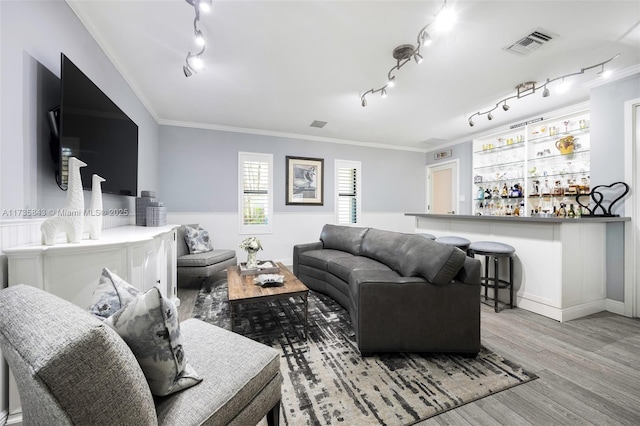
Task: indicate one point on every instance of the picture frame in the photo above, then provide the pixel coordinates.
(305, 181)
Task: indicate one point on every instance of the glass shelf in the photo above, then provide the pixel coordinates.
(558, 135)
(500, 148)
(500, 165)
(567, 157)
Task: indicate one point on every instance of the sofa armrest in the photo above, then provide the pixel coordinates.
(298, 249)
(470, 272)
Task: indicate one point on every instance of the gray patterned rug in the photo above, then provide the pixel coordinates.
(327, 382)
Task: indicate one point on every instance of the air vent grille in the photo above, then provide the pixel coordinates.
(318, 124)
(531, 42)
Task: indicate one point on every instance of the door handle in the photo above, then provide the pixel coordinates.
(451, 212)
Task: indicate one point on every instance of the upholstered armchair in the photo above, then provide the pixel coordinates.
(72, 368)
(192, 268)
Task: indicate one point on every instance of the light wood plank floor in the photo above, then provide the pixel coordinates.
(589, 370)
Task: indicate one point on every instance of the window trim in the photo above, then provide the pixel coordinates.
(342, 164)
(254, 228)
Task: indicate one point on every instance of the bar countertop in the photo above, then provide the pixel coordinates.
(594, 219)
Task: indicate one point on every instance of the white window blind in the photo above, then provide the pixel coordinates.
(348, 192)
(255, 197)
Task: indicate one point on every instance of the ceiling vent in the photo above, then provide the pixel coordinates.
(531, 42)
(318, 124)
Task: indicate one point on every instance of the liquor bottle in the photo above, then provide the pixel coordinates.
(571, 213)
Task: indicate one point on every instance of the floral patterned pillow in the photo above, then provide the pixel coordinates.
(111, 295)
(197, 240)
(149, 325)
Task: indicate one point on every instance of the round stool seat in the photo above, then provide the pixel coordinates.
(429, 236)
(492, 248)
(460, 242)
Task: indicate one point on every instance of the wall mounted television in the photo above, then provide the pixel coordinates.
(89, 126)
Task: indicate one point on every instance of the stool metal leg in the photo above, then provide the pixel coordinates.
(486, 278)
(511, 281)
(496, 271)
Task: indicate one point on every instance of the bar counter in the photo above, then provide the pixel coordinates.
(561, 265)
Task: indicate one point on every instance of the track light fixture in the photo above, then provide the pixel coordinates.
(529, 88)
(403, 53)
(194, 61)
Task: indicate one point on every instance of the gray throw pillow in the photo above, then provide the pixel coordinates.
(438, 263)
(197, 240)
(149, 325)
(111, 295)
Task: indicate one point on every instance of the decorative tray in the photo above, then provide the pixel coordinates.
(269, 280)
(264, 267)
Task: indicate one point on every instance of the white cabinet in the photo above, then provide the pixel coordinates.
(143, 256)
(533, 168)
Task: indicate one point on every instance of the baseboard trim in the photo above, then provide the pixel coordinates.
(615, 307)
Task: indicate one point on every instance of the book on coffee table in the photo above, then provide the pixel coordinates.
(264, 267)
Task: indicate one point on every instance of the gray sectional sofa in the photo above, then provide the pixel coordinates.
(404, 292)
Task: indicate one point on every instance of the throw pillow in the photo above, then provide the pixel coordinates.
(197, 240)
(149, 325)
(438, 263)
(111, 295)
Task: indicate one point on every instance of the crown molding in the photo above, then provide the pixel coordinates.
(250, 131)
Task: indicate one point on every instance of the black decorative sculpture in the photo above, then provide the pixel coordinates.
(598, 198)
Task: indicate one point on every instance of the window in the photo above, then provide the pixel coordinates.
(348, 175)
(255, 198)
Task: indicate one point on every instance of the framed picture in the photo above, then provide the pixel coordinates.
(305, 181)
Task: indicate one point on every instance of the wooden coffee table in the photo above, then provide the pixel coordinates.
(242, 289)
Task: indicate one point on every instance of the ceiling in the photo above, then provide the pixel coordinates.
(273, 67)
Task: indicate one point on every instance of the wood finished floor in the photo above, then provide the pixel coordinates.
(589, 370)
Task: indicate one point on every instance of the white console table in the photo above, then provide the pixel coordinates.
(143, 256)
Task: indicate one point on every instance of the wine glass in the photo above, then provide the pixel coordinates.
(566, 125)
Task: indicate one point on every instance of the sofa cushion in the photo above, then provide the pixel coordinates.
(197, 240)
(111, 294)
(218, 354)
(319, 259)
(344, 238)
(149, 325)
(438, 263)
(343, 266)
(384, 246)
(205, 259)
(70, 364)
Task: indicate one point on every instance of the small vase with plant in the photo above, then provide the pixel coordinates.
(251, 245)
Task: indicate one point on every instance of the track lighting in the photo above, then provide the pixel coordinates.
(391, 82)
(194, 61)
(199, 38)
(529, 87)
(426, 39)
(383, 93)
(604, 73)
(403, 53)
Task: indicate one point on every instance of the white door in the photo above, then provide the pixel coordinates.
(442, 188)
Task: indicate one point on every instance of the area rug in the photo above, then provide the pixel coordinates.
(327, 382)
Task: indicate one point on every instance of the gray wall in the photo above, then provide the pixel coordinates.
(33, 34)
(199, 171)
(607, 164)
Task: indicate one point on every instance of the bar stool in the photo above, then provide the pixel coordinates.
(429, 236)
(494, 250)
(460, 242)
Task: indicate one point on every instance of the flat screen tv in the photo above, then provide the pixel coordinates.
(89, 126)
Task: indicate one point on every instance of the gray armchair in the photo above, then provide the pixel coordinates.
(71, 368)
(192, 268)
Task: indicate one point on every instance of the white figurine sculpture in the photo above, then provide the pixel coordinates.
(93, 220)
(70, 219)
